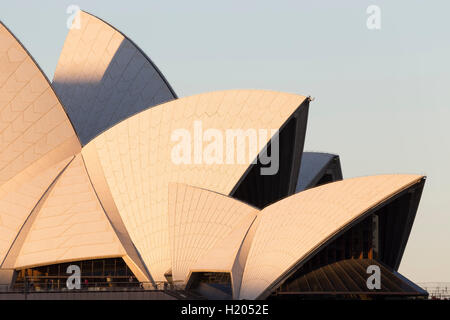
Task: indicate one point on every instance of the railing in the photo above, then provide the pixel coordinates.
(36, 284)
(143, 290)
(437, 290)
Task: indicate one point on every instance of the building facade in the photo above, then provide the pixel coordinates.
(88, 184)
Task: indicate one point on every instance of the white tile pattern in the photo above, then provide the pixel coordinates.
(103, 78)
(70, 225)
(200, 220)
(36, 137)
(136, 158)
(290, 229)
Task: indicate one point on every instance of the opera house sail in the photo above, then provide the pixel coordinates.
(88, 182)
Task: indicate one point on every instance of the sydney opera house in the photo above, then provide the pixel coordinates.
(87, 178)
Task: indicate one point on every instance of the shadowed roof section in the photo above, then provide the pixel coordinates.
(290, 230)
(260, 188)
(33, 123)
(102, 77)
(318, 168)
(348, 277)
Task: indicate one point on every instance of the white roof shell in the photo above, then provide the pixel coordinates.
(102, 77)
(206, 230)
(36, 137)
(292, 228)
(135, 157)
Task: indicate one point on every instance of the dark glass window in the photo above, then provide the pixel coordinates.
(218, 280)
(98, 274)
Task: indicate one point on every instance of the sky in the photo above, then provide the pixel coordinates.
(382, 96)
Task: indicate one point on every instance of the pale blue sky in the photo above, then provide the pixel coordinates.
(382, 96)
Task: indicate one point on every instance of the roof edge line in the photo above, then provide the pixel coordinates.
(296, 265)
(45, 77)
(140, 50)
